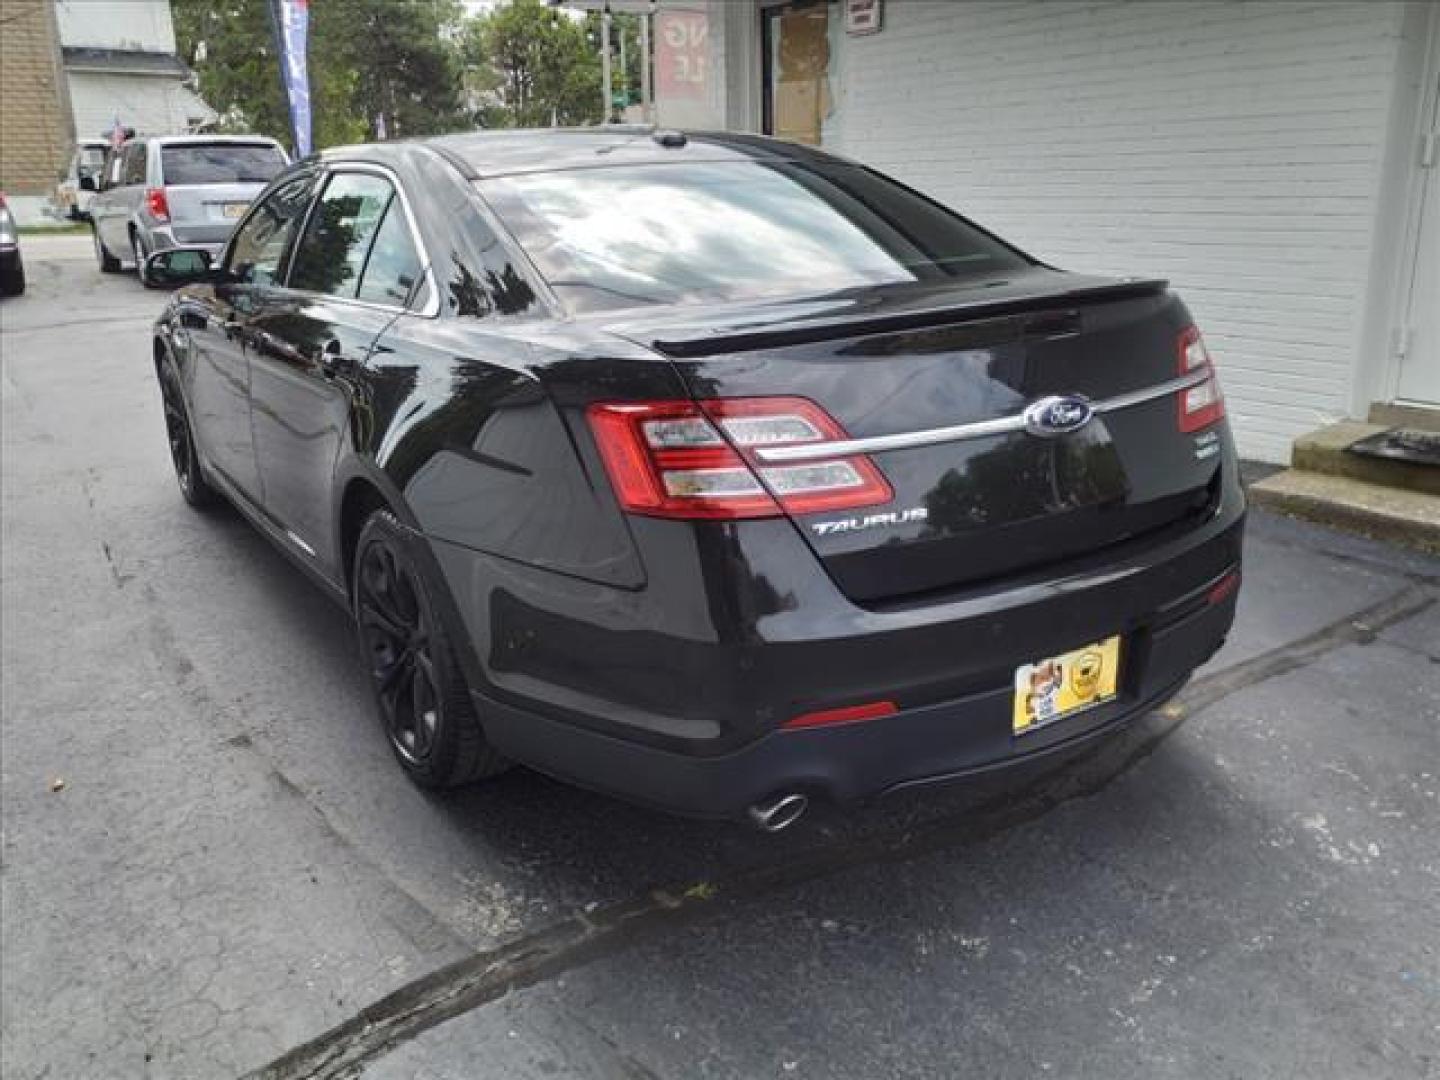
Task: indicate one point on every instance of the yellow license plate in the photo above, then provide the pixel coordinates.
(236, 209)
(1061, 686)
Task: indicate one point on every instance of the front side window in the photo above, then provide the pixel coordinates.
(259, 245)
(331, 256)
(675, 233)
(220, 163)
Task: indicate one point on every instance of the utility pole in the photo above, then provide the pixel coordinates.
(647, 108)
(605, 64)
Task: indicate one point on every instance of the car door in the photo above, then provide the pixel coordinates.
(104, 206)
(220, 385)
(122, 200)
(356, 267)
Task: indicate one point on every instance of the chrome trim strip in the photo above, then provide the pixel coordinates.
(979, 429)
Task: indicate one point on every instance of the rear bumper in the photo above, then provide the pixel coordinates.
(674, 694)
(162, 238)
(848, 762)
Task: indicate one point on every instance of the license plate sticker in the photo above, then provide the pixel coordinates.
(1061, 686)
(235, 209)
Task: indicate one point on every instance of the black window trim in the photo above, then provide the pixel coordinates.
(431, 309)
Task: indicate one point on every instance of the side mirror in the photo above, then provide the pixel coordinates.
(87, 183)
(176, 266)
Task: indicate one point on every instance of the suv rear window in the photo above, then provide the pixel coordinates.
(220, 163)
(624, 235)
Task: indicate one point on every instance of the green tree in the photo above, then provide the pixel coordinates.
(371, 62)
(404, 56)
(528, 65)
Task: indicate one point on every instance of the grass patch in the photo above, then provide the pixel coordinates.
(79, 228)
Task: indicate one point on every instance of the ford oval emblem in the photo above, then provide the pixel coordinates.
(1052, 416)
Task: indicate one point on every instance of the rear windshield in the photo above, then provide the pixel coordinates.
(220, 163)
(674, 233)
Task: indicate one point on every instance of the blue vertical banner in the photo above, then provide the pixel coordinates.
(292, 28)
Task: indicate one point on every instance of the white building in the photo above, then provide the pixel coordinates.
(1274, 160)
(120, 63)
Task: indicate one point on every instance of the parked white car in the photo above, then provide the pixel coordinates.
(76, 190)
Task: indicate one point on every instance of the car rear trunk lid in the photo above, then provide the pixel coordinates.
(911, 360)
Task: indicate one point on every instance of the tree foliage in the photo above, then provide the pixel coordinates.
(374, 65)
(529, 65)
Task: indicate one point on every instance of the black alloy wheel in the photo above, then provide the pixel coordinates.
(193, 485)
(422, 696)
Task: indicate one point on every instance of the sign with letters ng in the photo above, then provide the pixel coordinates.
(682, 54)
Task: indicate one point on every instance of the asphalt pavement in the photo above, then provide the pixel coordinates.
(210, 866)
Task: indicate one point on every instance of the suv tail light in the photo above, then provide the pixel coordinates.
(157, 203)
(1201, 405)
(687, 459)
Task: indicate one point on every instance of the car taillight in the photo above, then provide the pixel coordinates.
(157, 203)
(1202, 404)
(687, 459)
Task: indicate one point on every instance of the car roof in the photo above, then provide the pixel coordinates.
(209, 140)
(499, 153)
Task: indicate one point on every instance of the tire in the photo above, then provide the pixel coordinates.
(420, 690)
(12, 281)
(108, 263)
(137, 249)
(181, 437)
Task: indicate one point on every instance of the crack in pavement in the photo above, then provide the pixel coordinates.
(109, 320)
(533, 958)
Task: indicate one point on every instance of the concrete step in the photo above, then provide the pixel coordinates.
(1327, 451)
(1404, 517)
(1422, 417)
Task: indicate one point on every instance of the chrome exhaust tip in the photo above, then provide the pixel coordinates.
(778, 813)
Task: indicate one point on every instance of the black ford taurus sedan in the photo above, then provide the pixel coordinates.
(714, 472)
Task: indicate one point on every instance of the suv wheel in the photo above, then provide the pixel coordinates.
(420, 690)
(137, 248)
(108, 263)
(12, 281)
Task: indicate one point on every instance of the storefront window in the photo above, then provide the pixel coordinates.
(797, 71)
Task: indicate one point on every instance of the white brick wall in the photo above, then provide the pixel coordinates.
(1234, 148)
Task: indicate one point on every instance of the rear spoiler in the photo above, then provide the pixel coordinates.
(683, 341)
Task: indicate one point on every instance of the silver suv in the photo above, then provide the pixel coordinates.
(177, 190)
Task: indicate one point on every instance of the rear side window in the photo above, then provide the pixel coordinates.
(332, 253)
(394, 264)
(698, 231)
(220, 163)
(89, 160)
(133, 164)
